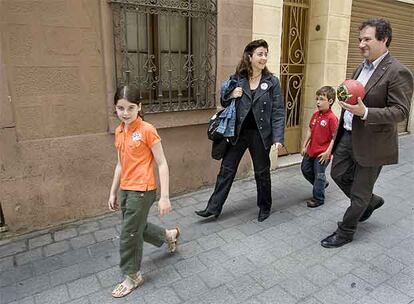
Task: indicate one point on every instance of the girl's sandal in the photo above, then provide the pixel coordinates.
(172, 243)
(121, 290)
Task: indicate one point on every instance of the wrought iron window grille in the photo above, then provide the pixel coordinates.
(167, 49)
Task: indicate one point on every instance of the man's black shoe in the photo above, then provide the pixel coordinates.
(206, 213)
(370, 210)
(334, 241)
(263, 214)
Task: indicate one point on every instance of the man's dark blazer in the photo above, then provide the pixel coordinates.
(388, 98)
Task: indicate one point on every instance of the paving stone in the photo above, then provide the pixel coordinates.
(386, 294)
(64, 275)
(147, 265)
(190, 249)
(276, 295)
(235, 249)
(219, 295)
(83, 287)
(267, 276)
(249, 228)
(403, 283)
(106, 234)
(84, 300)
(210, 241)
(55, 248)
(340, 266)
(27, 300)
(162, 258)
(109, 276)
(163, 276)
(189, 287)
(16, 274)
(95, 265)
(331, 294)
(6, 263)
(56, 295)
(289, 266)
(298, 286)
(33, 285)
(320, 275)
(213, 257)
(82, 241)
(64, 234)
(110, 221)
(353, 286)
(261, 256)
(29, 256)
(244, 287)
(367, 300)
(88, 227)
(404, 256)
(239, 265)
(231, 234)
(102, 249)
(12, 248)
(76, 256)
(371, 274)
(186, 211)
(40, 241)
(8, 294)
(215, 276)
(310, 300)
(47, 264)
(387, 264)
(163, 295)
(190, 266)
(105, 297)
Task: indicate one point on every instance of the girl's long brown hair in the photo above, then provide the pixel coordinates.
(244, 68)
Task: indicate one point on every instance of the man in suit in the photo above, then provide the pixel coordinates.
(367, 135)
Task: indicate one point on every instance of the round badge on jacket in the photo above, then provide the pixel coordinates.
(264, 86)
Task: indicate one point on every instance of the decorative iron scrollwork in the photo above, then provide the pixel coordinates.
(170, 47)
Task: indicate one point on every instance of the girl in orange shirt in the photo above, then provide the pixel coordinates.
(138, 145)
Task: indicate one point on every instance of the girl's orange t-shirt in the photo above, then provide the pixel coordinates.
(134, 150)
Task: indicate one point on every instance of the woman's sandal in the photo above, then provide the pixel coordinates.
(172, 243)
(121, 290)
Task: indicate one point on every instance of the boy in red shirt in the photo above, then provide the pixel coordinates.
(318, 144)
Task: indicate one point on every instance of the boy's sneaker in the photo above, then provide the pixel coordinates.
(314, 203)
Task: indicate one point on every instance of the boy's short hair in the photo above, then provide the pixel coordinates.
(327, 91)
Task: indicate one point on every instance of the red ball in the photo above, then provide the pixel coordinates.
(350, 90)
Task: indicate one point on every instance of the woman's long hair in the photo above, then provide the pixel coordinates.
(131, 94)
(244, 68)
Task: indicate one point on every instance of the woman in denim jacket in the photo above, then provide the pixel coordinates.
(260, 121)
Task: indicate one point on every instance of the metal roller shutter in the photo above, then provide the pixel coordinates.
(401, 17)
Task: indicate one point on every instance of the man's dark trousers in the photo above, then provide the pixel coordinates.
(356, 181)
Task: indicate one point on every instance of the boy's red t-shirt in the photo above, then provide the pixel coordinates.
(323, 126)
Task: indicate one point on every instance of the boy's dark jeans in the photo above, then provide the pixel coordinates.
(314, 172)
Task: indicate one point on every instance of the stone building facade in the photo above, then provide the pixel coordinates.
(57, 67)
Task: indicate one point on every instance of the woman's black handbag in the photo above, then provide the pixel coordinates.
(213, 125)
(219, 148)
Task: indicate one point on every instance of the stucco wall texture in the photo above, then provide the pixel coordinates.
(56, 152)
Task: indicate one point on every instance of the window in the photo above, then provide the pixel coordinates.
(167, 48)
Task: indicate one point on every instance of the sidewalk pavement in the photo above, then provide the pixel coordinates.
(234, 259)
